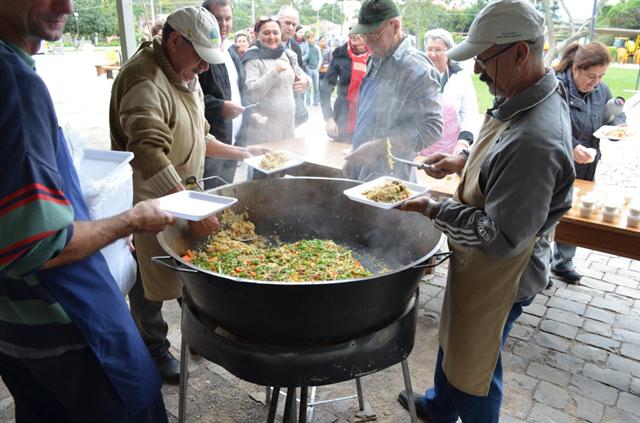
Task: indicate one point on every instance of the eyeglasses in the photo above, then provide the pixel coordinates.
(375, 36)
(435, 50)
(482, 63)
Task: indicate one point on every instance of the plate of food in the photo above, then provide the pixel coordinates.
(193, 205)
(274, 161)
(612, 132)
(385, 192)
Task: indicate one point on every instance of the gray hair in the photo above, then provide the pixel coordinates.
(288, 10)
(209, 4)
(536, 47)
(440, 34)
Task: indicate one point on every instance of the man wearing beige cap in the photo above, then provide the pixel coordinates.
(515, 185)
(157, 112)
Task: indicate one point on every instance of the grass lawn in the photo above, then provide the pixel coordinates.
(619, 81)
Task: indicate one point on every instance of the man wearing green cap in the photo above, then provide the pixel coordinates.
(399, 97)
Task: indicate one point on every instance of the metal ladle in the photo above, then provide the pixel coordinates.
(423, 166)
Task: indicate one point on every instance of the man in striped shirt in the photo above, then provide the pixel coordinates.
(69, 350)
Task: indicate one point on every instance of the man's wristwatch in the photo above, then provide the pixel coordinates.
(432, 208)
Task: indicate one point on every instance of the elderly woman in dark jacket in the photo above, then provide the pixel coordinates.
(347, 68)
(581, 69)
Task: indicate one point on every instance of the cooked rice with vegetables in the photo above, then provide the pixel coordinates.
(617, 133)
(391, 192)
(228, 253)
(274, 160)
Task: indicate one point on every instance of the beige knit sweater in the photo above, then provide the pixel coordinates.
(161, 121)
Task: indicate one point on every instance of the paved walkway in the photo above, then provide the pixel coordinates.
(573, 356)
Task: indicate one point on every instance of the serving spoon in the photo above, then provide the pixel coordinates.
(419, 165)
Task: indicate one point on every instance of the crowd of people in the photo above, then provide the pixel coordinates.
(193, 100)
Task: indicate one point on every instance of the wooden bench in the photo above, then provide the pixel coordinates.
(108, 69)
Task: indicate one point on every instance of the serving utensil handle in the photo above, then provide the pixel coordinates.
(164, 260)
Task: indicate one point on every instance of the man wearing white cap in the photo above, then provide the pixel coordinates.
(515, 185)
(157, 112)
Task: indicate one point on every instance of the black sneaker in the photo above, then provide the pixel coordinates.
(570, 276)
(422, 414)
(169, 369)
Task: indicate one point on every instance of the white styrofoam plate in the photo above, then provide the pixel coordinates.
(355, 193)
(98, 164)
(603, 132)
(294, 160)
(193, 205)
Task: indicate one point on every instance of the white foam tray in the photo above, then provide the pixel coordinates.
(99, 164)
(604, 130)
(193, 205)
(355, 193)
(294, 160)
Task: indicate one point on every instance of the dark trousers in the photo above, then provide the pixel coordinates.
(446, 403)
(147, 315)
(70, 387)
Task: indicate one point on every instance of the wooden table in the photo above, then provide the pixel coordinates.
(615, 238)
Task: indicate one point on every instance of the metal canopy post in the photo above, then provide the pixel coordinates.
(127, 32)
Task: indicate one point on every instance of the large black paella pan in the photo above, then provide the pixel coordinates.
(312, 312)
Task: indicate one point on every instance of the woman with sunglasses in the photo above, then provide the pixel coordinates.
(581, 69)
(347, 68)
(271, 75)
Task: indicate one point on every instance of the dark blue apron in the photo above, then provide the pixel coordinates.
(90, 296)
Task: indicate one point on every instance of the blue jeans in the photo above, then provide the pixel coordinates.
(315, 78)
(445, 403)
(563, 255)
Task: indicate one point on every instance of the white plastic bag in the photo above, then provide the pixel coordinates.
(107, 187)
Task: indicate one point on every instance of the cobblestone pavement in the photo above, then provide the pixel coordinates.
(573, 356)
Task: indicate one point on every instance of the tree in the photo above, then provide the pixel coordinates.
(331, 12)
(575, 33)
(419, 16)
(94, 16)
(625, 14)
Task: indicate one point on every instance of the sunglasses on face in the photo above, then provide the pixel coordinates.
(263, 20)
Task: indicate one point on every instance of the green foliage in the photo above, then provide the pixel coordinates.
(419, 16)
(554, 6)
(625, 14)
(620, 81)
(94, 16)
(331, 12)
